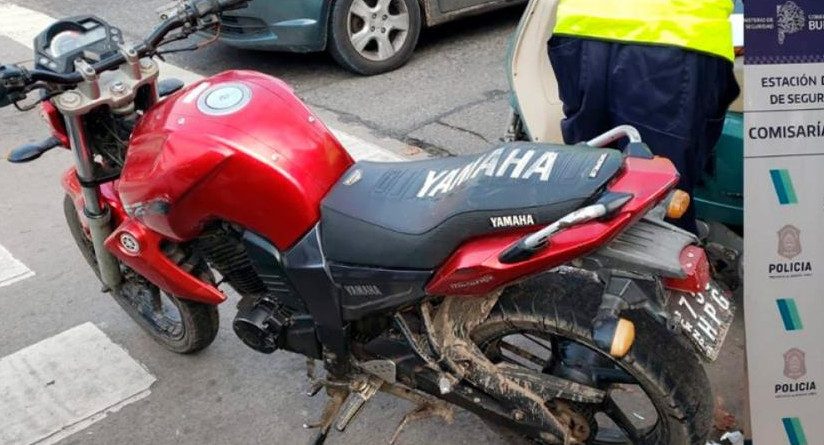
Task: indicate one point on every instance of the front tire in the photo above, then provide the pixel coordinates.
(558, 309)
(373, 36)
(181, 326)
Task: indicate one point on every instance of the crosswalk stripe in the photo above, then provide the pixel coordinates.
(65, 383)
(12, 270)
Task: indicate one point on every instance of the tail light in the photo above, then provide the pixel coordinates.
(696, 266)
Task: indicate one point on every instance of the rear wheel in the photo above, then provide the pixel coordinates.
(181, 326)
(373, 36)
(658, 394)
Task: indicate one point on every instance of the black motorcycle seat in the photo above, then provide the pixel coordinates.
(412, 215)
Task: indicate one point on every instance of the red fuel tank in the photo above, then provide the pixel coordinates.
(238, 147)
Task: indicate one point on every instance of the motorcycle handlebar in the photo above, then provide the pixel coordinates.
(193, 11)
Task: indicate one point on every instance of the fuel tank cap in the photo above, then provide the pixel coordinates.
(224, 98)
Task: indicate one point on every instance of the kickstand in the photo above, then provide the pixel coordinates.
(337, 396)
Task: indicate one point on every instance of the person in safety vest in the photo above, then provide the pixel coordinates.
(662, 66)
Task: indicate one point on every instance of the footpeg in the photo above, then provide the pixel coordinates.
(365, 391)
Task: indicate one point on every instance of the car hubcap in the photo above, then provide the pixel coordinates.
(378, 29)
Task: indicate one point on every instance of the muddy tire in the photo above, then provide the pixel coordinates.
(561, 307)
(185, 326)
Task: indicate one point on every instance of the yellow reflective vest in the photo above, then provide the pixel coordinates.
(700, 25)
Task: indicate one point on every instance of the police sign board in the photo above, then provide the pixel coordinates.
(783, 219)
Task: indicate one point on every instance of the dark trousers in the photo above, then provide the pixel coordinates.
(676, 98)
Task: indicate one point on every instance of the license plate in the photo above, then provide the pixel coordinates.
(705, 317)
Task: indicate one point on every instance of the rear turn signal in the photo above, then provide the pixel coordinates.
(678, 204)
(614, 335)
(624, 337)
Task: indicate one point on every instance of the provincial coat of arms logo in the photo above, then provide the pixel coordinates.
(794, 364)
(789, 242)
(790, 20)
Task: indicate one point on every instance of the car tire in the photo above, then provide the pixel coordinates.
(368, 37)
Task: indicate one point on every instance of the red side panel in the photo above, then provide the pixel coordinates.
(474, 268)
(150, 262)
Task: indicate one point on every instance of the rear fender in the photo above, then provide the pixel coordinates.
(149, 260)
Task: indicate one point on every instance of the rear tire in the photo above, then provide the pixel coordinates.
(370, 45)
(668, 372)
(198, 322)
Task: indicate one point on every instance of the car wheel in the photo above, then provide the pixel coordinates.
(374, 36)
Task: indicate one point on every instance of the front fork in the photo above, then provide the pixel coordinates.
(97, 212)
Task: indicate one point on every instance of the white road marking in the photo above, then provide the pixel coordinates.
(12, 270)
(65, 383)
(23, 24)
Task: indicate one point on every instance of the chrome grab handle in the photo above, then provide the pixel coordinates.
(540, 238)
(527, 246)
(621, 131)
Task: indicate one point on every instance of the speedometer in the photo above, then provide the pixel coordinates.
(65, 42)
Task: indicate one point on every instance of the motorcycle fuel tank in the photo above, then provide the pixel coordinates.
(237, 147)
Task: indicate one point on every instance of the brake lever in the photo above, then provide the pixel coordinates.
(30, 152)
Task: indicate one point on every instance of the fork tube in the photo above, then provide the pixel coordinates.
(97, 213)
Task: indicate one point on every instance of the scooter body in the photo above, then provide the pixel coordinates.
(538, 107)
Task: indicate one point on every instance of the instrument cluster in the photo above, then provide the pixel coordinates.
(68, 40)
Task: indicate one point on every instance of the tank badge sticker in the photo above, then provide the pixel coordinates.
(594, 172)
(512, 221)
(354, 177)
(224, 99)
(514, 166)
(364, 290)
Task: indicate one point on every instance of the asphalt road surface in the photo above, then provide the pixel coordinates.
(450, 99)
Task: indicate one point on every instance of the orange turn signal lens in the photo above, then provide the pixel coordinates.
(623, 339)
(678, 204)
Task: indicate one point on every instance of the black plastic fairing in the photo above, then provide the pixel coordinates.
(369, 290)
(305, 267)
(266, 261)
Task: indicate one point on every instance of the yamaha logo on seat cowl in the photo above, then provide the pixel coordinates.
(512, 221)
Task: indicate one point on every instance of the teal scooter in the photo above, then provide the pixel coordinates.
(536, 111)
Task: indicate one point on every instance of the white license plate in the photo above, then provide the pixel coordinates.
(705, 317)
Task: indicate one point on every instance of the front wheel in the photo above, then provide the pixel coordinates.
(658, 394)
(373, 36)
(181, 326)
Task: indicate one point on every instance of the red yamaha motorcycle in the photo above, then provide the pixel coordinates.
(535, 285)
